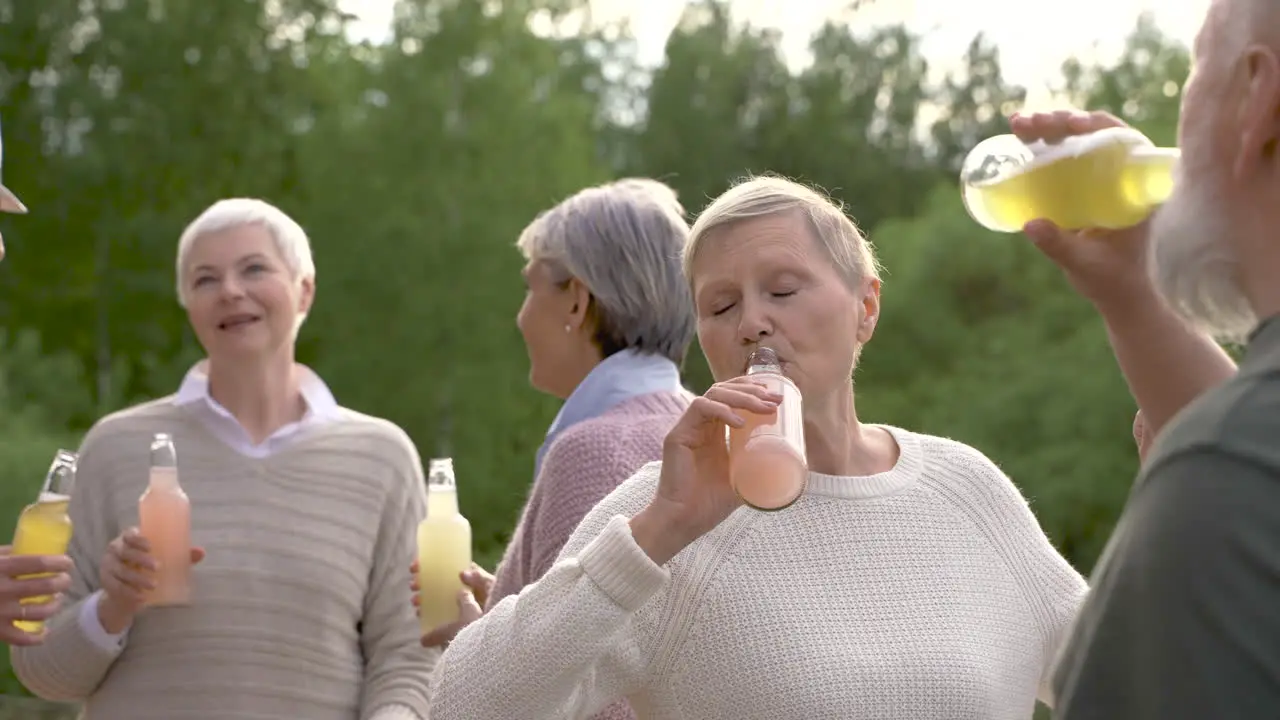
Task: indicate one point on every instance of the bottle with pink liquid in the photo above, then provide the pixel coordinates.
(164, 515)
(767, 464)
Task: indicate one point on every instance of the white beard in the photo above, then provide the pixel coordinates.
(1194, 267)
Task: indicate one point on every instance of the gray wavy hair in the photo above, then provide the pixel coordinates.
(623, 240)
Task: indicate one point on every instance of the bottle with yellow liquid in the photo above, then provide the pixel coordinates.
(1110, 179)
(44, 528)
(444, 548)
(164, 519)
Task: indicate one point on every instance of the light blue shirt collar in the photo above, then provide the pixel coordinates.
(621, 376)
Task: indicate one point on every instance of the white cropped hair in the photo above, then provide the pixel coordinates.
(289, 237)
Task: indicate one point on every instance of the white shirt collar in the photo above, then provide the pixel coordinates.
(194, 391)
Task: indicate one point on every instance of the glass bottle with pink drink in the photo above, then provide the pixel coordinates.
(164, 515)
(768, 468)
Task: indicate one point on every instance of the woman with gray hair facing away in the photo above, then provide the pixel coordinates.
(910, 581)
(307, 511)
(607, 320)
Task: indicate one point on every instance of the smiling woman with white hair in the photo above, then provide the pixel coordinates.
(910, 581)
(307, 512)
(606, 319)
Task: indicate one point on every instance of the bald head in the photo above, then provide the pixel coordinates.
(1248, 22)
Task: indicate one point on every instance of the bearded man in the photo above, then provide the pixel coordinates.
(1183, 619)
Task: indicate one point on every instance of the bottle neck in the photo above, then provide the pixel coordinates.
(164, 478)
(442, 501)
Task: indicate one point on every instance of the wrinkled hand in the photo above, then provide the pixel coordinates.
(471, 602)
(1102, 265)
(694, 494)
(13, 591)
(126, 575)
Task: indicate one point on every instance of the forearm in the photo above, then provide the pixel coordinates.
(562, 648)
(397, 668)
(396, 712)
(397, 681)
(658, 536)
(1166, 363)
(70, 665)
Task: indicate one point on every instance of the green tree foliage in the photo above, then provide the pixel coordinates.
(415, 162)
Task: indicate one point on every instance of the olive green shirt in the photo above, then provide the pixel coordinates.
(1183, 619)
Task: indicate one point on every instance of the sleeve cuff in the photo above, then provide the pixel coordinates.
(620, 568)
(93, 630)
(396, 711)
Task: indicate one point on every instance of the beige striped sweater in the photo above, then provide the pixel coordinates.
(302, 607)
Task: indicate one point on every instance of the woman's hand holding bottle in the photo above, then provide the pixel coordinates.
(126, 574)
(694, 494)
(478, 584)
(16, 584)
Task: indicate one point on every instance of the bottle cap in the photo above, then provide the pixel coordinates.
(163, 453)
(440, 473)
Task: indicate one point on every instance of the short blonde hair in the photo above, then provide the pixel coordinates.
(768, 195)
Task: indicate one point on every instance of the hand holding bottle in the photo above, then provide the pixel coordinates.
(13, 590)
(127, 574)
(1104, 266)
(471, 602)
(694, 494)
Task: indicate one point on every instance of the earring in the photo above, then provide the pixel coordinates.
(568, 328)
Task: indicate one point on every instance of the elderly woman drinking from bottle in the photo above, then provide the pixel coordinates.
(606, 319)
(909, 580)
(307, 512)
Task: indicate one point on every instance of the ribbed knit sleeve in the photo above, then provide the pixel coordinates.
(68, 667)
(582, 466)
(574, 625)
(397, 667)
(1053, 589)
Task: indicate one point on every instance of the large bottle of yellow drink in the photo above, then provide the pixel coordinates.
(164, 519)
(1111, 179)
(43, 526)
(444, 548)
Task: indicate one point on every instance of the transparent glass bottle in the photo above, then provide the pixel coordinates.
(444, 548)
(164, 519)
(767, 464)
(1111, 179)
(44, 528)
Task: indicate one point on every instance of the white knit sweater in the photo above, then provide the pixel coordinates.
(928, 592)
